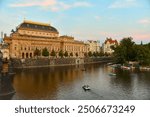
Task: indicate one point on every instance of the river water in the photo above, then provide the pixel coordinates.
(65, 83)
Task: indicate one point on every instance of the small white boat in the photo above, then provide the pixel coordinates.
(112, 74)
(86, 87)
(110, 63)
(125, 67)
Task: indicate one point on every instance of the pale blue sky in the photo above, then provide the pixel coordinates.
(83, 19)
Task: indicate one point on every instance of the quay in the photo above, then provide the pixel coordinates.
(49, 62)
(6, 88)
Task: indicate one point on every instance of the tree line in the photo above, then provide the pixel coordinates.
(128, 50)
(44, 52)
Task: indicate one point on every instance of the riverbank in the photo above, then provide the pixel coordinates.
(48, 62)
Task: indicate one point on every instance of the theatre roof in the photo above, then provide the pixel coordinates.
(37, 26)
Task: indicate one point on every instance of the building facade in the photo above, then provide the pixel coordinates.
(4, 51)
(30, 36)
(106, 47)
(94, 46)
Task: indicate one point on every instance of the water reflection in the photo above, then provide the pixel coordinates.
(6, 88)
(66, 83)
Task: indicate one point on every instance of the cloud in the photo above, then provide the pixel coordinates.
(144, 21)
(123, 4)
(53, 5)
(28, 3)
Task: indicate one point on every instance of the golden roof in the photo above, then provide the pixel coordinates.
(38, 23)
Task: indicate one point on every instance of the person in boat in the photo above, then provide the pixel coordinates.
(86, 87)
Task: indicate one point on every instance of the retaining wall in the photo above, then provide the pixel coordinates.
(44, 62)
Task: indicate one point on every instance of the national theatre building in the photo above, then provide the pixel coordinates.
(30, 36)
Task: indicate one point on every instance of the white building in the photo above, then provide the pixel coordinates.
(4, 49)
(108, 44)
(94, 46)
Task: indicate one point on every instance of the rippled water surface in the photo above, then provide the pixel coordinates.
(65, 83)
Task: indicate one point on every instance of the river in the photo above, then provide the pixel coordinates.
(65, 83)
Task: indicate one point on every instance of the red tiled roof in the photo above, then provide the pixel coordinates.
(111, 41)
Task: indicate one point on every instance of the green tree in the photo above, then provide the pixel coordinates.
(97, 54)
(45, 52)
(101, 53)
(53, 53)
(148, 45)
(61, 54)
(37, 52)
(71, 54)
(90, 54)
(106, 54)
(125, 51)
(120, 54)
(85, 54)
(143, 54)
(94, 54)
(128, 45)
(129, 51)
(66, 54)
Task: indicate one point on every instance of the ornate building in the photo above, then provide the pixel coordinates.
(94, 46)
(107, 45)
(30, 36)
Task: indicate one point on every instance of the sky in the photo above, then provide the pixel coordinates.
(82, 19)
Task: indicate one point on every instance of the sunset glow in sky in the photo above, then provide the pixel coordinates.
(83, 19)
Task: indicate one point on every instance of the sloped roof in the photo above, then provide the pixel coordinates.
(111, 41)
(37, 26)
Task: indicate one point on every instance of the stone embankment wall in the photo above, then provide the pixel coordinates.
(45, 62)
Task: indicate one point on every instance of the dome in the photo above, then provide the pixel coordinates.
(37, 26)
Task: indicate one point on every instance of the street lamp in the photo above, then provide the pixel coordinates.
(1, 55)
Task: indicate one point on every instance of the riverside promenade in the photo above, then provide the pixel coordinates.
(47, 62)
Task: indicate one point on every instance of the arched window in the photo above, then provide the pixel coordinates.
(22, 55)
(27, 55)
(30, 55)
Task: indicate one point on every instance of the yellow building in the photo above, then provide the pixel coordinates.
(30, 35)
(94, 46)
